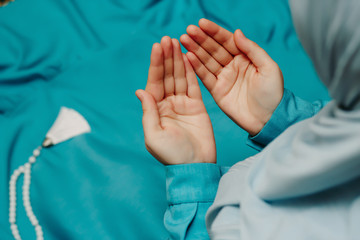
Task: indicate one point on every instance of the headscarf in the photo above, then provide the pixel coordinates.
(306, 183)
(329, 30)
(324, 151)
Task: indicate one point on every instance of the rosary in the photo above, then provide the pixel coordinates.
(68, 124)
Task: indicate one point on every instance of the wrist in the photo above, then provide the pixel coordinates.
(190, 161)
(265, 114)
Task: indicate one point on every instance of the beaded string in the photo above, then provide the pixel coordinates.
(26, 170)
(68, 124)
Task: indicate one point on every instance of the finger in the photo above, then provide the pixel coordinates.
(179, 69)
(220, 35)
(256, 54)
(169, 83)
(192, 83)
(220, 54)
(210, 63)
(151, 117)
(204, 74)
(155, 83)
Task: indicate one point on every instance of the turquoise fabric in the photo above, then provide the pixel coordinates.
(92, 56)
(291, 109)
(191, 188)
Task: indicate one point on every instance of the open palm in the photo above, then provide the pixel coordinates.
(242, 78)
(176, 124)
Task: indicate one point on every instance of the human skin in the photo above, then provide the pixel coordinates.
(242, 78)
(177, 127)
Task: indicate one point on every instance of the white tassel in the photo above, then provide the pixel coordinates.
(68, 124)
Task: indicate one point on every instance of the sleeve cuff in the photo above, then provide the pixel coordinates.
(290, 110)
(196, 182)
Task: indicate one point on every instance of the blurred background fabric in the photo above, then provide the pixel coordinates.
(91, 56)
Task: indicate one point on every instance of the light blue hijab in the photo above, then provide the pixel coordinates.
(329, 30)
(324, 151)
(306, 183)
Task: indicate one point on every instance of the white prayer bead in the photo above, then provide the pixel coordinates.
(27, 204)
(26, 169)
(32, 159)
(38, 230)
(12, 214)
(32, 218)
(13, 227)
(36, 152)
(67, 119)
(16, 234)
(34, 222)
(28, 208)
(13, 202)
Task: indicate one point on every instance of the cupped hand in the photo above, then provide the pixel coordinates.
(177, 127)
(242, 78)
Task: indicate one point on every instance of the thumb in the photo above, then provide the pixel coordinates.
(256, 54)
(151, 118)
